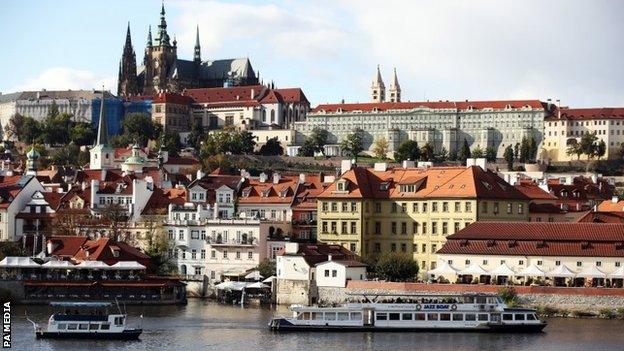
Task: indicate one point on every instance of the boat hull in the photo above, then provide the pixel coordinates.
(281, 324)
(131, 334)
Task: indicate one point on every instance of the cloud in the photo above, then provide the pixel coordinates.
(62, 78)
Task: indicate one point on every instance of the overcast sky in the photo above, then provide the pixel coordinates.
(442, 50)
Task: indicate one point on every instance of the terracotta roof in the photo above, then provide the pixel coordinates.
(588, 113)
(610, 206)
(53, 199)
(308, 191)
(292, 95)
(66, 246)
(255, 192)
(103, 250)
(272, 97)
(10, 186)
(172, 98)
(603, 217)
(160, 199)
(212, 182)
(432, 182)
(533, 191)
(537, 239)
(457, 105)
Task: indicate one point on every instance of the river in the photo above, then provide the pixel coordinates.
(206, 325)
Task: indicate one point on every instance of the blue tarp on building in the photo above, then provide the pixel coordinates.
(114, 113)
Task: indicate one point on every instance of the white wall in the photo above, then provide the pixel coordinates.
(326, 270)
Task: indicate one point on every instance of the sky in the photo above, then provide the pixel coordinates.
(442, 49)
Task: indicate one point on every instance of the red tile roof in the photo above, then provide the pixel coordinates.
(66, 246)
(603, 217)
(456, 105)
(537, 239)
(588, 113)
(158, 203)
(245, 96)
(308, 191)
(610, 206)
(255, 192)
(172, 98)
(533, 191)
(103, 250)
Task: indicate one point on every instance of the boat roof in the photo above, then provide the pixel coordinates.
(423, 295)
(79, 304)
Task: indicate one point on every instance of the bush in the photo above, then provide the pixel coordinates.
(606, 313)
(509, 295)
(547, 311)
(396, 267)
(619, 312)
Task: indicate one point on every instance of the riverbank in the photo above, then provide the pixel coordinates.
(549, 301)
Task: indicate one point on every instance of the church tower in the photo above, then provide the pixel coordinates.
(127, 78)
(197, 52)
(159, 59)
(395, 89)
(378, 89)
(101, 154)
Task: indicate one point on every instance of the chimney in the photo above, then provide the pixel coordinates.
(263, 177)
(345, 166)
(103, 175)
(276, 178)
(409, 164)
(615, 199)
(253, 94)
(200, 174)
(380, 167)
(329, 257)
(302, 177)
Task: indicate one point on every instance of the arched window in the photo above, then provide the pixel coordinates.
(263, 115)
(183, 269)
(272, 116)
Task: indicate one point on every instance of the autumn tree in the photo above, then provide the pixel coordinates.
(380, 148)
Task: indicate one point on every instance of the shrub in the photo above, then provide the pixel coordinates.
(619, 312)
(509, 295)
(606, 313)
(547, 311)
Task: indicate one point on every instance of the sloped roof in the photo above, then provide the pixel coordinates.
(533, 191)
(160, 199)
(610, 206)
(273, 191)
(603, 217)
(456, 105)
(66, 246)
(587, 113)
(102, 250)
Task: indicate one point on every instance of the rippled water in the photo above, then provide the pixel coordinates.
(204, 325)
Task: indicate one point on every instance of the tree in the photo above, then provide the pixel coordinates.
(517, 151)
(307, 149)
(601, 149)
(272, 148)
(242, 142)
(509, 157)
(55, 127)
(524, 150)
(352, 144)
(426, 152)
(452, 156)
(490, 154)
(267, 269)
(139, 127)
(408, 150)
(532, 150)
(158, 247)
(116, 216)
(318, 139)
(396, 267)
(67, 156)
(213, 162)
(8, 248)
(197, 133)
(380, 148)
(172, 143)
(574, 148)
(82, 134)
(30, 131)
(477, 152)
(588, 144)
(464, 152)
(13, 129)
(441, 156)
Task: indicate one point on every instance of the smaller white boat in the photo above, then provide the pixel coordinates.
(86, 320)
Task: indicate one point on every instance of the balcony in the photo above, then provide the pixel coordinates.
(219, 241)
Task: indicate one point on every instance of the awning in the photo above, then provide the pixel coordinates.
(502, 270)
(270, 279)
(591, 272)
(474, 269)
(444, 268)
(58, 265)
(127, 265)
(255, 275)
(561, 271)
(93, 265)
(618, 273)
(18, 262)
(257, 285)
(531, 271)
(229, 285)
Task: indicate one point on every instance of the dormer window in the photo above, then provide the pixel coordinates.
(487, 185)
(407, 188)
(265, 193)
(246, 192)
(384, 186)
(284, 192)
(342, 185)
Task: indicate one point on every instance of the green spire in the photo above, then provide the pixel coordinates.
(163, 37)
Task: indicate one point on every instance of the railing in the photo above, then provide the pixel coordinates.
(217, 242)
(192, 277)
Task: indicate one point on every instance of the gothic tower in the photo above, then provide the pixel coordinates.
(395, 89)
(158, 59)
(378, 89)
(197, 53)
(127, 78)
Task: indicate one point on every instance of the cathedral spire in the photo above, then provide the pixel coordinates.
(102, 135)
(395, 89)
(127, 79)
(163, 37)
(197, 55)
(149, 36)
(128, 38)
(378, 89)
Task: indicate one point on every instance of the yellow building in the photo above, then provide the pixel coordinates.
(412, 210)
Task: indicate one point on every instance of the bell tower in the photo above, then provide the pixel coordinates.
(378, 89)
(159, 58)
(395, 89)
(127, 78)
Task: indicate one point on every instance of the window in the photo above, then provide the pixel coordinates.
(598, 263)
(457, 206)
(377, 228)
(520, 208)
(393, 207)
(483, 317)
(343, 228)
(445, 316)
(520, 262)
(382, 316)
(445, 206)
(213, 254)
(468, 207)
(539, 263)
(194, 254)
(250, 255)
(83, 326)
(194, 234)
(507, 316)
(471, 317)
(456, 227)
(467, 262)
(434, 207)
(495, 207)
(344, 207)
(415, 227)
(62, 326)
(225, 254)
(324, 206)
(403, 207)
(353, 227)
(557, 263)
(444, 228)
(519, 317)
(424, 207)
(353, 207)
(509, 208)
(377, 207)
(432, 316)
(393, 247)
(434, 228)
(394, 316)
(334, 207)
(423, 248)
(484, 207)
(458, 317)
(352, 247)
(407, 316)
(419, 316)
(334, 273)
(181, 235)
(579, 264)
(617, 264)
(327, 273)
(72, 326)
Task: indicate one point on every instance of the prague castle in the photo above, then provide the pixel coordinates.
(162, 70)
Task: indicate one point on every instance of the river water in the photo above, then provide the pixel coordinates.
(205, 325)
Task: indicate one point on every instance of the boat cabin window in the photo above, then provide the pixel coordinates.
(531, 317)
(382, 316)
(395, 316)
(119, 321)
(356, 316)
(458, 317)
(445, 316)
(519, 317)
(105, 326)
(481, 299)
(507, 317)
(471, 317)
(407, 316)
(420, 316)
(304, 316)
(316, 315)
(94, 326)
(72, 326)
(483, 317)
(83, 326)
(330, 316)
(432, 316)
(62, 326)
(343, 316)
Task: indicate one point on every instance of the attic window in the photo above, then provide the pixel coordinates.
(463, 243)
(341, 185)
(246, 192)
(541, 244)
(508, 106)
(586, 245)
(384, 186)
(619, 246)
(284, 192)
(512, 243)
(407, 188)
(265, 193)
(487, 185)
(375, 109)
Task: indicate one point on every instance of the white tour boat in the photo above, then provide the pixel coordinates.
(467, 312)
(86, 320)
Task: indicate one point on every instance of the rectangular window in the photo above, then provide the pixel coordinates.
(445, 316)
(393, 207)
(378, 228)
(520, 208)
(432, 316)
(419, 316)
(344, 207)
(468, 207)
(444, 228)
(483, 317)
(445, 206)
(377, 207)
(424, 207)
(456, 227)
(434, 207)
(509, 208)
(394, 316)
(458, 317)
(407, 316)
(382, 316)
(471, 317)
(353, 207)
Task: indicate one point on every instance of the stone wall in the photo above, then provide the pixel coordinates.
(571, 299)
(295, 292)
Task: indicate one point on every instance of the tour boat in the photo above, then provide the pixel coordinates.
(86, 320)
(467, 312)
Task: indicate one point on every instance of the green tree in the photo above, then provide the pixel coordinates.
(139, 127)
(525, 150)
(13, 129)
(464, 152)
(509, 157)
(267, 269)
(158, 246)
(31, 131)
(477, 152)
(352, 144)
(517, 151)
(9, 248)
(574, 148)
(55, 127)
(196, 135)
(318, 139)
(380, 148)
(82, 134)
(242, 142)
(426, 152)
(213, 162)
(396, 267)
(307, 149)
(442, 155)
(490, 154)
(452, 156)
(67, 156)
(271, 148)
(408, 150)
(171, 143)
(588, 144)
(532, 150)
(601, 149)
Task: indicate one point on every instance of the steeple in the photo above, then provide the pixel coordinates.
(127, 79)
(102, 135)
(378, 89)
(128, 38)
(163, 37)
(149, 36)
(197, 55)
(395, 89)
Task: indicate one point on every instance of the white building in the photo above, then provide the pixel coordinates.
(15, 193)
(338, 273)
